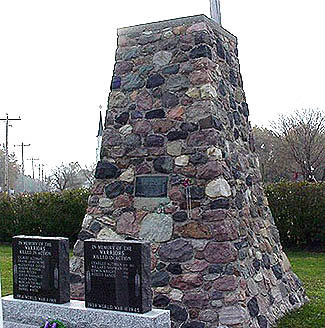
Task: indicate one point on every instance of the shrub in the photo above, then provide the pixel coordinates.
(299, 212)
(43, 214)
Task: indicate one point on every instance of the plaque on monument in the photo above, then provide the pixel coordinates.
(151, 186)
(41, 269)
(118, 275)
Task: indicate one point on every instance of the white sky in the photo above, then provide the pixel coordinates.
(57, 57)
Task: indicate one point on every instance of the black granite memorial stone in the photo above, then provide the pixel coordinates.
(41, 269)
(118, 275)
(151, 186)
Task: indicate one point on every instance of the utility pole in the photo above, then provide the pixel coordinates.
(33, 159)
(7, 119)
(22, 162)
(43, 172)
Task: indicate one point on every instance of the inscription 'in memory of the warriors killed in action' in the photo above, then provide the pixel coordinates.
(118, 275)
(41, 269)
(151, 186)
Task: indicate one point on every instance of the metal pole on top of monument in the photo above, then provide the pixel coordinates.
(215, 11)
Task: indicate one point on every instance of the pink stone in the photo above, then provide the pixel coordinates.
(186, 281)
(127, 224)
(162, 126)
(175, 194)
(226, 283)
(98, 188)
(214, 215)
(197, 300)
(142, 127)
(210, 170)
(224, 230)
(220, 252)
(194, 230)
(196, 266)
(143, 168)
(197, 27)
(207, 137)
(144, 100)
(122, 201)
(189, 170)
(176, 113)
(200, 77)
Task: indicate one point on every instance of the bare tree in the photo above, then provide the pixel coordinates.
(275, 164)
(304, 134)
(65, 176)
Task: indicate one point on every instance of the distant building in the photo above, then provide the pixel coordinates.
(99, 137)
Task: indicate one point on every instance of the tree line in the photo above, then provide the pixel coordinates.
(293, 147)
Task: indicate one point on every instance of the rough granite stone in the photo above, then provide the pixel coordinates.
(27, 314)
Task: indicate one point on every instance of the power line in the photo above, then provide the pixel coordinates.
(22, 162)
(7, 119)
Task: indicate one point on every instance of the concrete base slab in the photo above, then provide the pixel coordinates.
(29, 314)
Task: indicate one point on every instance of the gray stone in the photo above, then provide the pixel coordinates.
(233, 315)
(177, 83)
(132, 82)
(182, 160)
(177, 250)
(218, 188)
(27, 314)
(162, 58)
(174, 148)
(105, 202)
(156, 227)
(108, 233)
(163, 164)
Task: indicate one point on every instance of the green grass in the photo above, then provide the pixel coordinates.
(6, 270)
(310, 267)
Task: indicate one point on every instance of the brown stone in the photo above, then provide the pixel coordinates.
(196, 266)
(214, 215)
(203, 138)
(196, 300)
(210, 170)
(195, 230)
(189, 170)
(220, 252)
(224, 230)
(200, 77)
(127, 224)
(186, 281)
(98, 188)
(176, 113)
(143, 168)
(175, 194)
(122, 201)
(162, 126)
(194, 313)
(142, 127)
(226, 283)
(144, 100)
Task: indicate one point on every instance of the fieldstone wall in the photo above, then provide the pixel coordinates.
(177, 108)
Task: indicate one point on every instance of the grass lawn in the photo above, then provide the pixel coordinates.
(310, 267)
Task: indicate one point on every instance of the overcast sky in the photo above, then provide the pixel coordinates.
(57, 58)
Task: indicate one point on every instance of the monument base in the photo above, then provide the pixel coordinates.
(28, 314)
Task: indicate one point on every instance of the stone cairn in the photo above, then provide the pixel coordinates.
(177, 108)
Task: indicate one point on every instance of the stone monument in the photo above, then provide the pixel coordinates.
(41, 269)
(178, 168)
